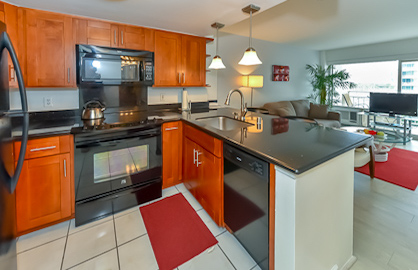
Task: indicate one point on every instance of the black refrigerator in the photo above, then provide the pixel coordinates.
(9, 170)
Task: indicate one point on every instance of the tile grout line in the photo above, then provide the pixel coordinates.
(226, 256)
(133, 239)
(65, 246)
(41, 245)
(116, 240)
(98, 255)
(101, 222)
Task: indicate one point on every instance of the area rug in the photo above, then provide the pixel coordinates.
(176, 232)
(401, 168)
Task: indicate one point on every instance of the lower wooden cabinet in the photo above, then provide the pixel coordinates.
(172, 153)
(203, 176)
(45, 191)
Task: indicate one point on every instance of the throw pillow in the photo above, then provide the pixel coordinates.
(281, 108)
(301, 107)
(318, 111)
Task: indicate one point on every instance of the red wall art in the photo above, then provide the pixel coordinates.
(280, 73)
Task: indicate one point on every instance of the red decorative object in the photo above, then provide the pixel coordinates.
(280, 73)
(176, 232)
(400, 169)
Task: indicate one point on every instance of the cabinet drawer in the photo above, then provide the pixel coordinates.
(204, 140)
(44, 147)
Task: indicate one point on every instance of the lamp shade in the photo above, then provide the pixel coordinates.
(250, 58)
(217, 63)
(254, 81)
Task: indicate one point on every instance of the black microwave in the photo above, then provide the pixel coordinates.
(113, 66)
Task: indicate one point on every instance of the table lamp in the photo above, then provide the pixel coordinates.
(253, 81)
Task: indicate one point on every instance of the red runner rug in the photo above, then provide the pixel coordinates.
(401, 168)
(176, 232)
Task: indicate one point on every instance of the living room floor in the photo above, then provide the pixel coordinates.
(385, 223)
(385, 236)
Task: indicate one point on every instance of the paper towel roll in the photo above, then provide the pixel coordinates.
(185, 101)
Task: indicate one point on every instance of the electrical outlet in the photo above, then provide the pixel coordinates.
(48, 102)
(162, 97)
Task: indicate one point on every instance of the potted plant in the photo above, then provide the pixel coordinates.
(324, 80)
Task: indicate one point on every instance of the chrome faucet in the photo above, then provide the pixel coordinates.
(243, 106)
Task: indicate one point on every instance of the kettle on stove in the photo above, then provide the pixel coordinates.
(93, 110)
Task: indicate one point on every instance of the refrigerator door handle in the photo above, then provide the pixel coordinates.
(5, 43)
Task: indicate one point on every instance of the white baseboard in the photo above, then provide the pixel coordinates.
(349, 263)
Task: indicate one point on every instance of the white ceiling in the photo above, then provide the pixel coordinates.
(314, 24)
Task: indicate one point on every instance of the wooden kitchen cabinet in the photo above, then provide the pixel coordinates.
(203, 171)
(101, 33)
(172, 153)
(45, 191)
(193, 57)
(49, 55)
(8, 15)
(179, 60)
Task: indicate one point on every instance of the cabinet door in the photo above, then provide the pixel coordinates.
(131, 37)
(209, 190)
(8, 15)
(172, 153)
(43, 193)
(49, 49)
(190, 170)
(94, 32)
(167, 59)
(193, 61)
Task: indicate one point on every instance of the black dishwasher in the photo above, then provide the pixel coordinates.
(246, 201)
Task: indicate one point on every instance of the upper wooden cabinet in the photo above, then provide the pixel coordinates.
(180, 60)
(8, 15)
(100, 33)
(49, 56)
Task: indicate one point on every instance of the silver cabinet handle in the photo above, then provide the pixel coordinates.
(65, 168)
(114, 36)
(194, 156)
(184, 77)
(121, 35)
(68, 75)
(197, 158)
(172, 128)
(179, 78)
(43, 148)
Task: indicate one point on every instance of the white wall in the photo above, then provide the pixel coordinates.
(394, 50)
(62, 99)
(231, 49)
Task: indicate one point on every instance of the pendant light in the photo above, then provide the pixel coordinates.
(250, 57)
(217, 60)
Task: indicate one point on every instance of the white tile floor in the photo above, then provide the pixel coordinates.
(385, 236)
(120, 241)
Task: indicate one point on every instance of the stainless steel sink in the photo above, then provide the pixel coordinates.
(223, 122)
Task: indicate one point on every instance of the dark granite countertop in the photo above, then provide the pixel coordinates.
(294, 145)
(291, 144)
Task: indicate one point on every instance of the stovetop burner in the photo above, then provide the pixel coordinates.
(117, 121)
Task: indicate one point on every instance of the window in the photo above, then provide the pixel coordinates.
(369, 77)
(409, 77)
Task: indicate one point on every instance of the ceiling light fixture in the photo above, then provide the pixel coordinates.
(250, 57)
(217, 60)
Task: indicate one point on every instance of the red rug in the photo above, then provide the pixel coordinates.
(176, 232)
(401, 168)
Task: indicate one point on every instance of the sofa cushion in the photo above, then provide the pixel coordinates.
(281, 108)
(318, 111)
(328, 123)
(301, 107)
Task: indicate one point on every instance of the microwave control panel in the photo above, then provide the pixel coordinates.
(148, 71)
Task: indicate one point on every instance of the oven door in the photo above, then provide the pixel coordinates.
(106, 165)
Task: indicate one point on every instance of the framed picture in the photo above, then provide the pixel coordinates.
(280, 73)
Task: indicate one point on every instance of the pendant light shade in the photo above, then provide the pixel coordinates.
(217, 60)
(250, 57)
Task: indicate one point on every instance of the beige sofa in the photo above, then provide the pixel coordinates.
(305, 110)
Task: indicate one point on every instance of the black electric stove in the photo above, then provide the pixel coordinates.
(117, 163)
